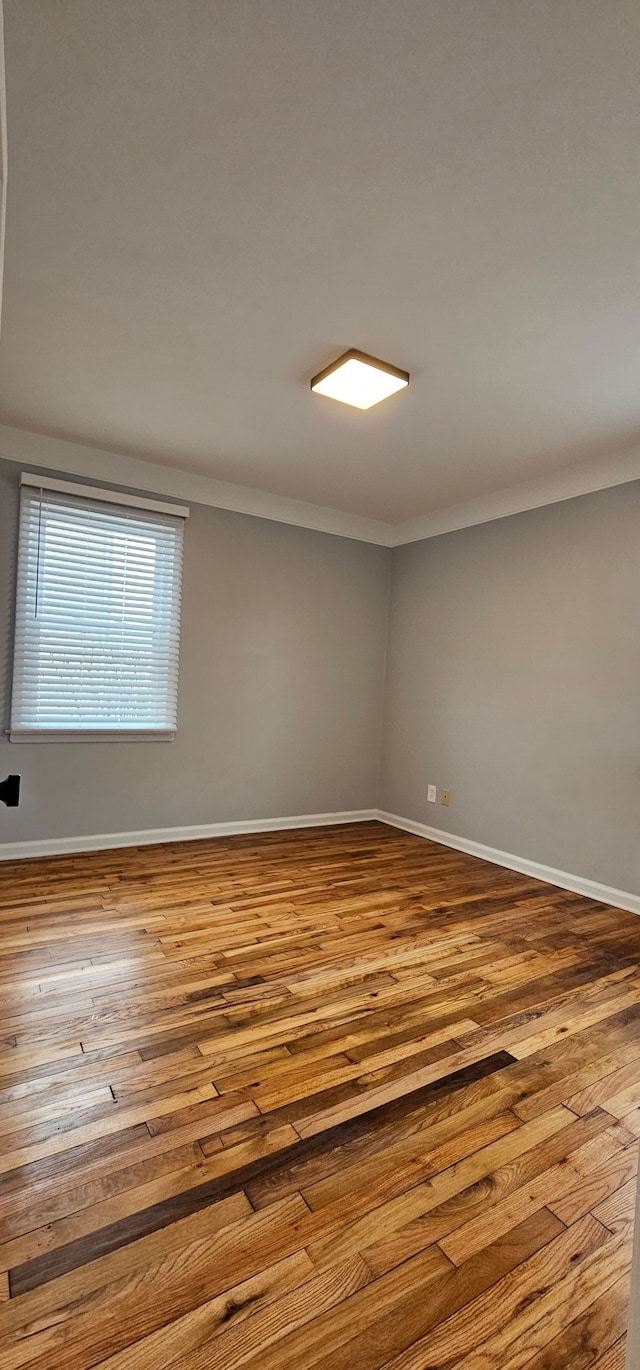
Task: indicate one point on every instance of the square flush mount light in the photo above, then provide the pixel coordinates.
(360, 380)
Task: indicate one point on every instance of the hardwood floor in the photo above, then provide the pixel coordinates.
(337, 1097)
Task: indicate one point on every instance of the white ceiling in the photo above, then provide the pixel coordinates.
(209, 200)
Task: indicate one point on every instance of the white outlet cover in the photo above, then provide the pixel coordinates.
(431, 794)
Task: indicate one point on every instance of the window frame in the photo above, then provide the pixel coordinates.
(18, 733)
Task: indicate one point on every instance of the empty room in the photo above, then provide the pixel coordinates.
(320, 637)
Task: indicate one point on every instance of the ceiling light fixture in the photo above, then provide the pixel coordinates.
(360, 380)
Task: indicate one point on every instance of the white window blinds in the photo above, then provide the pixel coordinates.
(97, 614)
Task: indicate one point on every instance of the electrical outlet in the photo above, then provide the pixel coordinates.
(446, 797)
(431, 794)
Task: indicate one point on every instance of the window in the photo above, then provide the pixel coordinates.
(97, 614)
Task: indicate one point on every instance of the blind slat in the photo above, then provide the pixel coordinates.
(97, 615)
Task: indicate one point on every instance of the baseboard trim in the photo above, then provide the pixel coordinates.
(59, 846)
(578, 884)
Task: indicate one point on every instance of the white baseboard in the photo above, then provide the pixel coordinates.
(578, 884)
(57, 846)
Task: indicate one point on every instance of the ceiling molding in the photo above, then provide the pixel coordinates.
(582, 479)
(34, 449)
(53, 454)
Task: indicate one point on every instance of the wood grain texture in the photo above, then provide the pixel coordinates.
(336, 1098)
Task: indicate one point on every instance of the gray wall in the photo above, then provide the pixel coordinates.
(280, 699)
(513, 679)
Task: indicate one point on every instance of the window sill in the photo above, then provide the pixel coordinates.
(91, 735)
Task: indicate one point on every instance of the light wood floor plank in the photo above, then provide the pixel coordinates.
(335, 1098)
